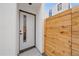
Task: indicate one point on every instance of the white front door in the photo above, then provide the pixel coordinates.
(27, 30)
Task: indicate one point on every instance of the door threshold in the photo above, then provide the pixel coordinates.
(21, 51)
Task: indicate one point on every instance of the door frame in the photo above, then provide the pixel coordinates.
(20, 51)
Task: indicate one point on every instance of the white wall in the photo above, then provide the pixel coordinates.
(40, 29)
(37, 9)
(7, 29)
(29, 8)
(32, 9)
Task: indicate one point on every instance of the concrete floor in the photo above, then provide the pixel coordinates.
(31, 52)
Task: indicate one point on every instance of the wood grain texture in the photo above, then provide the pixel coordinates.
(62, 33)
(58, 34)
(75, 31)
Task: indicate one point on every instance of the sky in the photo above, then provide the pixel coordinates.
(49, 6)
(75, 4)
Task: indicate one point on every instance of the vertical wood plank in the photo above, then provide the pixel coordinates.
(75, 31)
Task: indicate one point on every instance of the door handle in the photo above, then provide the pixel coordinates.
(20, 33)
